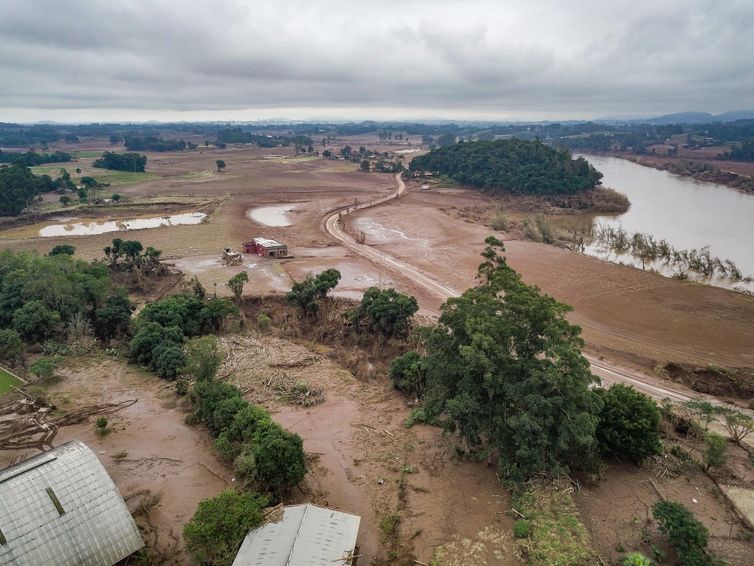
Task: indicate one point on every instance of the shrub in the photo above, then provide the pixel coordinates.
(521, 528)
(714, 450)
(44, 369)
(629, 424)
(10, 344)
(307, 294)
(208, 394)
(386, 312)
(686, 535)
(168, 360)
(408, 374)
(636, 559)
(263, 322)
(274, 462)
(225, 412)
(203, 357)
(247, 422)
(219, 525)
(62, 249)
(34, 322)
(500, 222)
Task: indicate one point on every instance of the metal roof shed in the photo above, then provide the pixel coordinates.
(61, 508)
(307, 535)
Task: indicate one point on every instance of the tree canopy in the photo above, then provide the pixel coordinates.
(122, 161)
(307, 294)
(512, 165)
(385, 312)
(504, 369)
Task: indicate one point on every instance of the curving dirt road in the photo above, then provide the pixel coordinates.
(607, 371)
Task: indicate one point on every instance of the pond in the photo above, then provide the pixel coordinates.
(688, 214)
(91, 228)
(272, 215)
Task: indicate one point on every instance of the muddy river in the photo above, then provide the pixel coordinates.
(90, 228)
(688, 214)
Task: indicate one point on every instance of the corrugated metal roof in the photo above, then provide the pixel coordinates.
(94, 528)
(307, 535)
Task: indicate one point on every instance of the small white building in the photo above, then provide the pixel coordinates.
(61, 508)
(307, 535)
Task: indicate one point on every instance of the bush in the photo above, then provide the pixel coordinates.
(34, 322)
(408, 374)
(44, 369)
(385, 312)
(247, 422)
(225, 412)
(686, 535)
(220, 524)
(203, 357)
(307, 294)
(274, 462)
(168, 360)
(636, 559)
(10, 345)
(208, 395)
(629, 424)
(62, 249)
(714, 450)
(521, 528)
(263, 322)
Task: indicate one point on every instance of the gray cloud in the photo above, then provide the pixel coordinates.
(171, 59)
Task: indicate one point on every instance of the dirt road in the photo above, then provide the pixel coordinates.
(609, 372)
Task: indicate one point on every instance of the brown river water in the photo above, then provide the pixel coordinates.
(686, 213)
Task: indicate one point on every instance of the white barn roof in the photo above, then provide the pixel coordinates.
(267, 243)
(61, 508)
(307, 535)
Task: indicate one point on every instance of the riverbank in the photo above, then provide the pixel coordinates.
(734, 174)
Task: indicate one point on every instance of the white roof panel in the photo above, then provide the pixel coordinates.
(307, 535)
(95, 527)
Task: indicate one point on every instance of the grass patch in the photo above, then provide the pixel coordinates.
(87, 153)
(7, 381)
(553, 533)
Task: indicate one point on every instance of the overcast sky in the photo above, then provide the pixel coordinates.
(84, 60)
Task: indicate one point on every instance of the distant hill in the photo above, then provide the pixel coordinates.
(512, 165)
(697, 117)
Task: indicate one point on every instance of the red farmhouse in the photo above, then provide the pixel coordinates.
(265, 248)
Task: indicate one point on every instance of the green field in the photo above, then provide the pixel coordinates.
(7, 380)
(116, 178)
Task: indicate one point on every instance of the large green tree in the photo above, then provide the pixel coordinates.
(308, 294)
(386, 312)
(504, 368)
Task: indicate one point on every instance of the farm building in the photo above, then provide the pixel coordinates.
(265, 248)
(307, 535)
(61, 508)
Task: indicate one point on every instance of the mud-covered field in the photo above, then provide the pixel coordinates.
(362, 458)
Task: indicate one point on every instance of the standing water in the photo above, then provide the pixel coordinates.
(272, 215)
(688, 214)
(90, 228)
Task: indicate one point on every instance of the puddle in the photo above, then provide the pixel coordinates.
(92, 228)
(272, 215)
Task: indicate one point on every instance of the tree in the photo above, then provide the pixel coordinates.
(10, 345)
(114, 318)
(116, 197)
(168, 359)
(220, 165)
(307, 294)
(737, 424)
(409, 373)
(236, 284)
(714, 450)
(686, 535)
(504, 368)
(62, 249)
(35, 322)
(703, 410)
(65, 200)
(274, 462)
(385, 312)
(220, 524)
(203, 357)
(18, 188)
(122, 161)
(365, 165)
(629, 425)
(44, 369)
